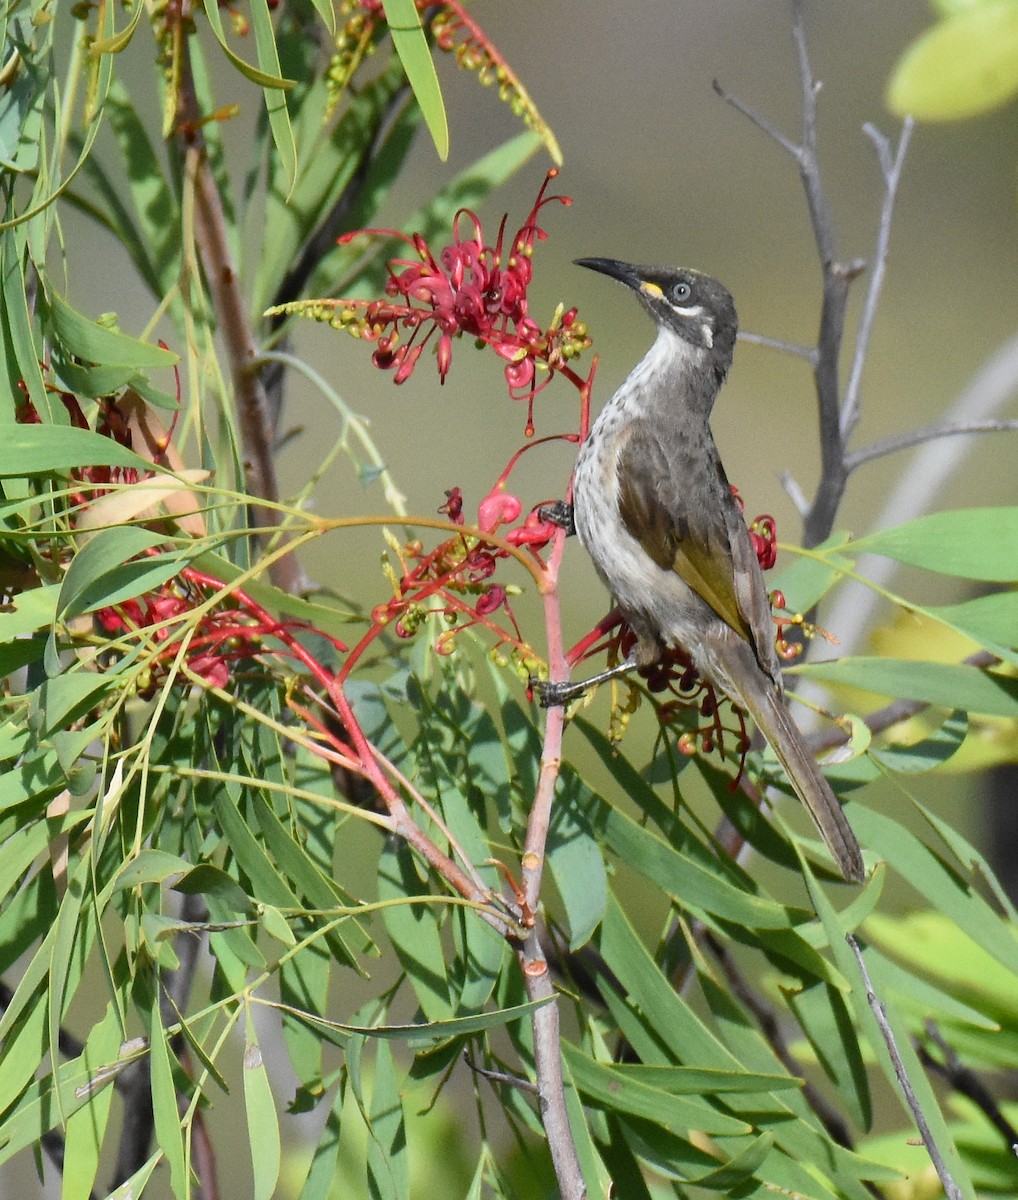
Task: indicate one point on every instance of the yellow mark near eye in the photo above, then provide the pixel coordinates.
(651, 289)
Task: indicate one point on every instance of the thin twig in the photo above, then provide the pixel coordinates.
(965, 1081)
(771, 343)
(994, 385)
(951, 1189)
(927, 433)
(891, 167)
(513, 1081)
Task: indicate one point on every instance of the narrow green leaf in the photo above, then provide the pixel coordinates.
(414, 931)
(47, 449)
(206, 879)
(932, 751)
(946, 891)
(151, 866)
(605, 1084)
(275, 97)
(388, 1166)
(739, 1169)
(991, 618)
(675, 1024)
(29, 612)
(164, 1105)
(822, 1012)
(102, 572)
(952, 686)
(974, 543)
(262, 1120)
(321, 1176)
(575, 860)
(422, 1034)
(256, 75)
(805, 579)
(68, 697)
(412, 47)
(79, 337)
(87, 1127)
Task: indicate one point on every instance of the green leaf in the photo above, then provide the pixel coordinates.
(264, 79)
(950, 685)
(421, 1034)
(164, 1105)
(575, 859)
(415, 932)
(608, 1085)
(932, 751)
(412, 47)
(68, 697)
(206, 879)
(86, 1128)
(388, 1167)
(29, 450)
(739, 1168)
(151, 866)
(964, 66)
(262, 1120)
(946, 891)
(102, 573)
(32, 611)
(275, 98)
(826, 1020)
(806, 578)
(973, 543)
(79, 337)
(992, 618)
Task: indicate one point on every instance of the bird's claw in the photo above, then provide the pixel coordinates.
(551, 694)
(559, 513)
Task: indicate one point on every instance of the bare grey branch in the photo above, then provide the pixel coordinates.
(951, 1189)
(927, 433)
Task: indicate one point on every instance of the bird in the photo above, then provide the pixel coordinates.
(652, 506)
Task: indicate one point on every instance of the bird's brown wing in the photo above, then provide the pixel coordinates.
(681, 514)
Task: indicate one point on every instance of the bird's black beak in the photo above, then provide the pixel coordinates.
(622, 271)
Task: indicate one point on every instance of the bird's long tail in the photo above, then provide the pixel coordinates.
(764, 704)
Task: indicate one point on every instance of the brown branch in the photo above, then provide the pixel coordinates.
(533, 963)
(548, 1066)
(242, 350)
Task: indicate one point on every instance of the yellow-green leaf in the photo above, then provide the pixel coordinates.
(965, 65)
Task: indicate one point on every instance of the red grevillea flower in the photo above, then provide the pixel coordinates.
(469, 287)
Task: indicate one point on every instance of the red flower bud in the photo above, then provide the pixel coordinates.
(497, 508)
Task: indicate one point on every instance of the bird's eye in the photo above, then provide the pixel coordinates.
(681, 292)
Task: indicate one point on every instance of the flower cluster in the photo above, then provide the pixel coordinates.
(222, 634)
(454, 582)
(470, 287)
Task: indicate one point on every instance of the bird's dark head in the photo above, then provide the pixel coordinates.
(694, 306)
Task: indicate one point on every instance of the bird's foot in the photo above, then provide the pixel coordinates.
(559, 513)
(553, 695)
